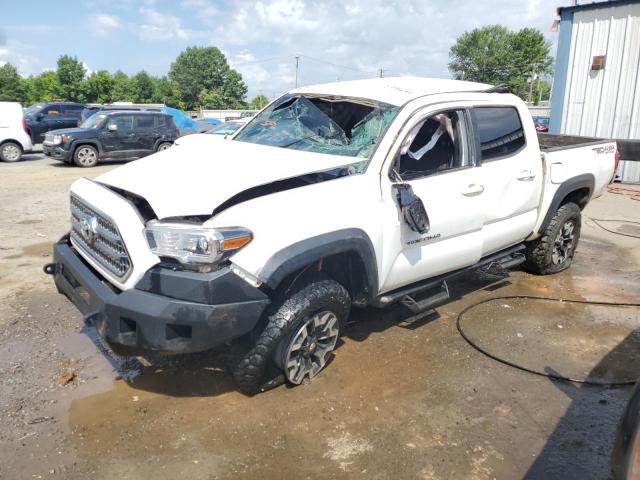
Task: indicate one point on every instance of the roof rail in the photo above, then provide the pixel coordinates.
(502, 88)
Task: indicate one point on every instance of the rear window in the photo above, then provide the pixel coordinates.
(72, 109)
(499, 130)
(144, 121)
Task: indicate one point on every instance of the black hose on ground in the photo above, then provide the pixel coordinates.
(598, 220)
(529, 370)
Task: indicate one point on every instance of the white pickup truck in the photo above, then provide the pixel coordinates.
(347, 194)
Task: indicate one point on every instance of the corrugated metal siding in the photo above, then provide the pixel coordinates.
(604, 103)
(629, 172)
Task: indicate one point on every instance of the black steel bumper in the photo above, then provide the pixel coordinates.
(57, 153)
(167, 312)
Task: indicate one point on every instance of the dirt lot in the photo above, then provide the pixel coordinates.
(396, 402)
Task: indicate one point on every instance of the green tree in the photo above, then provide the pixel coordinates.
(42, 88)
(495, 55)
(123, 90)
(143, 87)
(258, 102)
(205, 69)
(167, 92)
(100, 87)
(71, 78)
(11, 85)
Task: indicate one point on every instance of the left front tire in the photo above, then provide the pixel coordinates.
(10, 152)
(301, 332)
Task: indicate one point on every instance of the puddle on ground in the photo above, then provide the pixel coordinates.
(578, 341)
(395, 402)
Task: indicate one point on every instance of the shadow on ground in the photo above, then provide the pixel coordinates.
(580, 445)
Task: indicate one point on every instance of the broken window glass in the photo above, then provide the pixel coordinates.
(315, 123)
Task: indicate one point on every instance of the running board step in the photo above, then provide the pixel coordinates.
(428, 303)
(504, 259)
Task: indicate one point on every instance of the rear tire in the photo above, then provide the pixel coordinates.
(554, 250)
(164, 146)
(10, 152)
(323, 302)
(85, 156)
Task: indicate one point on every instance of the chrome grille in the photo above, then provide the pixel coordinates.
(96, 235)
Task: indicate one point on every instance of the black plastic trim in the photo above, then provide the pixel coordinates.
(310, 250)
(586, 180)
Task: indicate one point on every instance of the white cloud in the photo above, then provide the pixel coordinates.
(357, 36)
(160, 26)
(16, 53)
(103, 23)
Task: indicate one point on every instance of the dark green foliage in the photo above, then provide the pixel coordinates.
(495, 55)
(199, 77)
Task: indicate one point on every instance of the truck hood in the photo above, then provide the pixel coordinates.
(196, 177)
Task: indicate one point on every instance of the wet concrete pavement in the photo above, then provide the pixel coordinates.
(415, 402)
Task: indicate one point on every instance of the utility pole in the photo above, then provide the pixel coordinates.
(297, 59)
(380, 72)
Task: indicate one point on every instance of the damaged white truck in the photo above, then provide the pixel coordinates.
(352, 194)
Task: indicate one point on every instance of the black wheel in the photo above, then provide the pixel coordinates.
(164, 146)
(10, 152)
(299, 337)
(554, 250)
(85, 156)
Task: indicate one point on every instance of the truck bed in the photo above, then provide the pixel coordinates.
(550, 142)
(569, 158)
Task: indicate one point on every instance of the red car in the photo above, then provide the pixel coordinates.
(541, 123)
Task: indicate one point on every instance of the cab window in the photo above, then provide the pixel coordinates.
(124, 122)
(435, 145)
(51, 111)
(500, 132)
(144, 121)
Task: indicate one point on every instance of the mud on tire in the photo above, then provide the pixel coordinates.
(554, 250)
(290, 311)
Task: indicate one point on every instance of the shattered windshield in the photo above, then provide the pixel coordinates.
(321, 124)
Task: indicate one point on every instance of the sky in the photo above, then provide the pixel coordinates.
(334, 39)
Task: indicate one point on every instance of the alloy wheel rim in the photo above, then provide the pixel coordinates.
(86, 156)
(164, 147)
(310, 347)
(10, 152)
(563, 244)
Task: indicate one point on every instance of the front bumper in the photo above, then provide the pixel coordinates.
(167, 312)
(56, 152)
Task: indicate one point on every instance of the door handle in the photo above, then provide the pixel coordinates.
(472, 190)
(526, 176)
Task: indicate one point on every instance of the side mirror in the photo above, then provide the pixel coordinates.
(39, 116)
(112, 127)
(412, 208)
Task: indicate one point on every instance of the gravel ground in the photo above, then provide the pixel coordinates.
(396, 402)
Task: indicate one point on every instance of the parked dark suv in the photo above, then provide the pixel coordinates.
(121, 135)
(43, 117)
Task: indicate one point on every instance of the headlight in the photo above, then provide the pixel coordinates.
(193, 244)
(60, 139)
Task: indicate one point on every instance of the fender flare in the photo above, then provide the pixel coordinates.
(91, 142)
(305, 252)
(160, 140)
(567, 187)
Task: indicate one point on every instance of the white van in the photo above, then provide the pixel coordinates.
(14, 139)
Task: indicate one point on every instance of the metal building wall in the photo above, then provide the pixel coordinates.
(602, 103)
